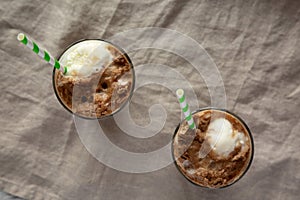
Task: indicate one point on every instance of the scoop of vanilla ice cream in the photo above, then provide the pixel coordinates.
(222, 138)
(86, 57)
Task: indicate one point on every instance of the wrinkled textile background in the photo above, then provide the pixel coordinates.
(255, 45)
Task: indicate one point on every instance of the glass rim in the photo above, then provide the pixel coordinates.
(123, 104)
(251, 144)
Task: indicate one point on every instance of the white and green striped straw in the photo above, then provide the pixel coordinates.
(42, 53)
(185, 108)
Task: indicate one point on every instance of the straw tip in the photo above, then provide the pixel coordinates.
(21, 36)
(179, 92)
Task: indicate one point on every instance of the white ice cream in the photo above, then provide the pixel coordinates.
(222, 138)
(86, 58)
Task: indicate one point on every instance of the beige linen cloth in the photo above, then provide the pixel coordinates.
(255, 44)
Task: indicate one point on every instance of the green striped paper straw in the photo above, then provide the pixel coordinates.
(185, 108)
(42, 53)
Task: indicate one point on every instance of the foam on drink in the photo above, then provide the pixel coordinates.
(222, 137)
(86, 58)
